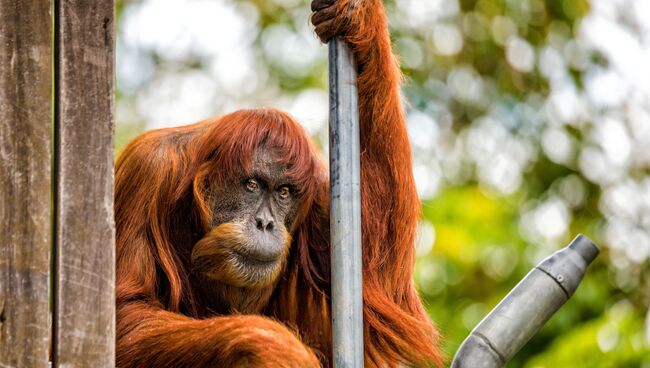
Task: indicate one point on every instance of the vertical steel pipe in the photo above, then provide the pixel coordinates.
(345, 209)
(500, 335)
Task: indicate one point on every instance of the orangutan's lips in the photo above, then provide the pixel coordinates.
(256, 259)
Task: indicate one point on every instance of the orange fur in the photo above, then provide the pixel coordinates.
(216, 247)
(162, 204)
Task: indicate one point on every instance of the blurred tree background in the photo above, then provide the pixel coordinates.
(529, 121)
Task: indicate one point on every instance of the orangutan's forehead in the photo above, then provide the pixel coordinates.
(269, 164)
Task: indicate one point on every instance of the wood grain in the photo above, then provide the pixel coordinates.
(25, 159)
(84, 318)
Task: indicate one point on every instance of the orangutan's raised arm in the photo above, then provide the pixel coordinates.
(397, 327)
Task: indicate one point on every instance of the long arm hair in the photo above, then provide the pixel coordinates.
(397, 329)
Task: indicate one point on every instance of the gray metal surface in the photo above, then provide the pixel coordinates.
(500, 335)
(345, 209)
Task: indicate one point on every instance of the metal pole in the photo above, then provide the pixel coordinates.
(500, 335)
(345, 209)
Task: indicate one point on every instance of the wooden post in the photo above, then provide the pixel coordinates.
(345, 209)
(25, 155)
(84, 308)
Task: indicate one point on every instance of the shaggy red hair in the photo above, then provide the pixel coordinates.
(162, 208)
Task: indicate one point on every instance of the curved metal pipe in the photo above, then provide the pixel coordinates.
(500, 335)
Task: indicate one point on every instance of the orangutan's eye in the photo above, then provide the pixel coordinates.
(252, 185)
(284, 192)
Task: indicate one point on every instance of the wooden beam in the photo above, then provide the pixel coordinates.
(25, 177)
(84, 319)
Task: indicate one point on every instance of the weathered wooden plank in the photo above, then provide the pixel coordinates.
(84, 318)
(25, 205)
